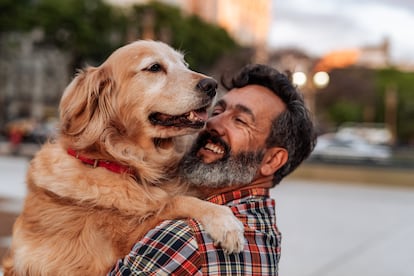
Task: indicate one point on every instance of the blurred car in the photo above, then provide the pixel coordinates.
(332, 147)
(43, 131)
(31, 130)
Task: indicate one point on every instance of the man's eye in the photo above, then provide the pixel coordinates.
(241, 121)
(156, 67)
(215, 112)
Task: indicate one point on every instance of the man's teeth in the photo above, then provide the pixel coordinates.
(214, 148)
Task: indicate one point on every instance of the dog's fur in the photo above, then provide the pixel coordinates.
(77, 219)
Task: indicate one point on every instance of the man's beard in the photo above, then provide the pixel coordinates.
(237, 169)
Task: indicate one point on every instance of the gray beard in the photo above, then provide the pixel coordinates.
(239, 169)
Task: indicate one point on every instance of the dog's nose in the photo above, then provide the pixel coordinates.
(208, 85)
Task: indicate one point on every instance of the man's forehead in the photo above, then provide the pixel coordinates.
(237, 106)
(256, 98)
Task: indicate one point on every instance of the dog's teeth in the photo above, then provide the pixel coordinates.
(192, 115)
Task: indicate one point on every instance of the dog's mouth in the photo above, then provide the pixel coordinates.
(192, 119)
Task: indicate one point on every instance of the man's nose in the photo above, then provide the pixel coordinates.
(215, 124)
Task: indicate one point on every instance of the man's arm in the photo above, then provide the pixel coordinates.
(169, 249)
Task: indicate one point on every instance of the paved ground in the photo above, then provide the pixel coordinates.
(329, 229)
(345, 229)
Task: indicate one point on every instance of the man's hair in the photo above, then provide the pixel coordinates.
(293, 129)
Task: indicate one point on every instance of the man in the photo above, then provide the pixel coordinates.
(258, 133)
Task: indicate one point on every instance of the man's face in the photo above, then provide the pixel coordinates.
(231, 149)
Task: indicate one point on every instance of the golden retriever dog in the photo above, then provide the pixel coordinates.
(110, 174)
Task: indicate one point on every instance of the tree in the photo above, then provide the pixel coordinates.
(203, 43)
(359, 95)
(90, 30)
(350, 97)
(403, 83)
(16, 15)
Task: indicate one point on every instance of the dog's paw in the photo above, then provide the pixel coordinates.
(225, 229)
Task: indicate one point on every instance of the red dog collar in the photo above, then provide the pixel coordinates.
(112, 166)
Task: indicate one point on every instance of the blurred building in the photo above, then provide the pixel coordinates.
(371, 56)
(247, 21)
(375, 56)
(292, 60)
(32, 77)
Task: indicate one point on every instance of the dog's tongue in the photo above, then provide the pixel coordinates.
(201, 115)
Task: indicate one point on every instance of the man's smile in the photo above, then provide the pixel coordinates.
(214, 148)
(211, 148)
(211, 153)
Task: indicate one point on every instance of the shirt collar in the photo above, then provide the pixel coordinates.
(227, 197)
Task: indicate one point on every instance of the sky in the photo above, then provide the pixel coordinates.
(321, 26)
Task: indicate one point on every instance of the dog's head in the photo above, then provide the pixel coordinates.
(142, 94)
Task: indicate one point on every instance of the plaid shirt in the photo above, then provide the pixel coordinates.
(182, 247)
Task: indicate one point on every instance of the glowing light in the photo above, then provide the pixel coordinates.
(321, 79)
(299, 78)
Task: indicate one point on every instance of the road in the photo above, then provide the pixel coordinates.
(329, 229)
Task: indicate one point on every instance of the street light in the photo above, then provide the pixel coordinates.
(319, 80)
(299, 78)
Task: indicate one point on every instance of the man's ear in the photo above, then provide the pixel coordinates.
(273, 160)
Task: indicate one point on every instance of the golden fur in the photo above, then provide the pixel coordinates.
(77, 219)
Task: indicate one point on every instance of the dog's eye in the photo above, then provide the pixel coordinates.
(156, 67)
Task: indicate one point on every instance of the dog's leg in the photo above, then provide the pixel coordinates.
(8, 266)
(132, 199)
(219, 221)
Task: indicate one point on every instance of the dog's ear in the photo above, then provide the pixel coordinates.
(85, 108)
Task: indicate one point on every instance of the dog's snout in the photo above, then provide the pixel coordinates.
(208, 85)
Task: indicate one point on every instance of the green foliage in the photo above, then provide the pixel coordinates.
(91, 29)
(16, 15)
(353, 91)
(345, 111)
(403, 83)
(202, 43)
(349, 93)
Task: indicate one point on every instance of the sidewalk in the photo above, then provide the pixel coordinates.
(341, 229)
(376, 176)
(25, 149)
